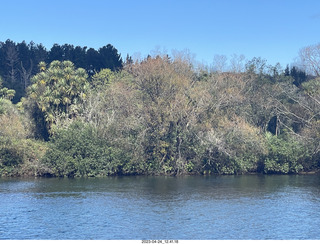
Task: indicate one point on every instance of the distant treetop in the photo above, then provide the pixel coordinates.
(19, 61)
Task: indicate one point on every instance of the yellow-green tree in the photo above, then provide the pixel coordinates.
(58, 90)
(5, 92)
(103, 77)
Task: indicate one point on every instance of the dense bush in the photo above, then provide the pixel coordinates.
(22, 157)
(160, 116)
(285, 155)
(19, 154)
(79, 151)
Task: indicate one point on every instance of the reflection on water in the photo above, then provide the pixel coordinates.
(189, 207)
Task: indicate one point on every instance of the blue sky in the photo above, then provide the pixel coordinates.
(272, 29)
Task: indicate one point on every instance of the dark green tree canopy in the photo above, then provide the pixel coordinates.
(18, 61)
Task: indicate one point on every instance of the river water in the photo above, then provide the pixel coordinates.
(189, 207)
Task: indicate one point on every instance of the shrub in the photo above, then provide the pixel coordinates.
(285, 155)
(79, 151)
(21, 157)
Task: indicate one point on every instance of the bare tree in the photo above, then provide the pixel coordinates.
(237, 63)
(310, 59)
(219, 63)
(12, 61)
(26, 74)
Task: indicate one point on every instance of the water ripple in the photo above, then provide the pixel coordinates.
(236, 207)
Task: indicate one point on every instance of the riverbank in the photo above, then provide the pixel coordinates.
(159, 117)
(40, 171)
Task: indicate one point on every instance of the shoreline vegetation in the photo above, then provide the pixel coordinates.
(78, 112)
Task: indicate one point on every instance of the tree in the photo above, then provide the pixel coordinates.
(256, 65)
(93, 64)
(166, 111)
(19, 153)
(56, 53)
(79, 56)
(237, 63)
(310, 59)
(129, 60)
(40, 54)
(219, 63)
(102, 78)
(79, 150)
(110, 58)
(5, 92)
(17, 65)
(299, 76)
(311, 132)
(12, 59)
(58, 91)
(26, 58)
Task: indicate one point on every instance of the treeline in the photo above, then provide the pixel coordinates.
(19, 61)
(161, 116)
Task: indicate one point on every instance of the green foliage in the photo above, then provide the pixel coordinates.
(58, 91)
(79, 151)
(18, 61)
(312, 87)
(13, 125)
(285, 155)
(18, 154)
(159, 116)
(256, 65)
(6, 93)
(216, 162)
(21, 157)
(10, 156)
(8, 153)
(5, 105)
(102, 78)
